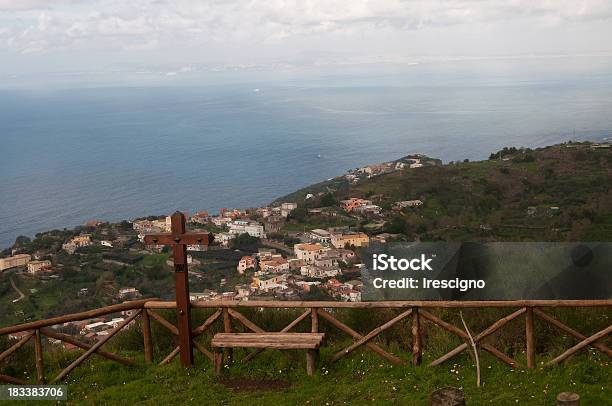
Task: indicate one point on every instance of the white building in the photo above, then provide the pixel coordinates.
(408, 203)
(252, 228)
(125, 293)
(267, 283)
(320, 235)
(14, 261)
(275, 265)
(224, 238)
(286, 208)
(308, 252)
(220, 221)
(368, 209)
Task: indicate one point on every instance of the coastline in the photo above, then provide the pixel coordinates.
(333, 183)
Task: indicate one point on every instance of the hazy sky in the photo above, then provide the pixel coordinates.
(38, 36)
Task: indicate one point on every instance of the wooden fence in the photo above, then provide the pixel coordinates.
(147, 311)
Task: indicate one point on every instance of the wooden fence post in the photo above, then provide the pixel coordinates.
(38, 353)
(530, 338)
(146, 336)
(227, 328)
(417, 351)
(312, 356)
(314, 319)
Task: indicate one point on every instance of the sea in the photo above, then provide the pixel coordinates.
(77, 151)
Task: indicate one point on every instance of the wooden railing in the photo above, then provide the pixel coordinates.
(226, 311)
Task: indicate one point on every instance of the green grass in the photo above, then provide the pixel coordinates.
(154, 259)
(311, 226)
(361, 378)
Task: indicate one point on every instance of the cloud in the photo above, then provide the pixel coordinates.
(220, 26)
(23, 4)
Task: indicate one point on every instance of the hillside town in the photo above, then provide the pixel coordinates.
(279, 261)
(321, 259)
(305, 246)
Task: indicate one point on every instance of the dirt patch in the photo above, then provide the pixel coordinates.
(246, 385)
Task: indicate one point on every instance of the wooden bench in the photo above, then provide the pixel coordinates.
(282, 341)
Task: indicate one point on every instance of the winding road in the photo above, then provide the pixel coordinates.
(20, 293)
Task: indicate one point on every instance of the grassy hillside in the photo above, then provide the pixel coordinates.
(361, 380)
(362, 377)
(557, 193)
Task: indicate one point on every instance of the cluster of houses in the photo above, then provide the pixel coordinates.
(320, 261)
(370, 171)
(324, 258)
(236, 222)
(78, 241)
(360, 206)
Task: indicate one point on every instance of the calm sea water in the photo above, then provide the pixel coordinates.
(111, 153)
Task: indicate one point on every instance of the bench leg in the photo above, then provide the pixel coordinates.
(218, 360)
(311, 361)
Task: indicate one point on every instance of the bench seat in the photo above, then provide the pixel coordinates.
(282, 341)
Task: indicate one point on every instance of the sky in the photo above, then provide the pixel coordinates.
(46, 37)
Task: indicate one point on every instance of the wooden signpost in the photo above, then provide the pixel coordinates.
(178, 239)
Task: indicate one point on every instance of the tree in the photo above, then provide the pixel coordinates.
(22, 240)
(397, 225)
(276, 236)
(298, 214)
(244, 241)
(328, 200)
